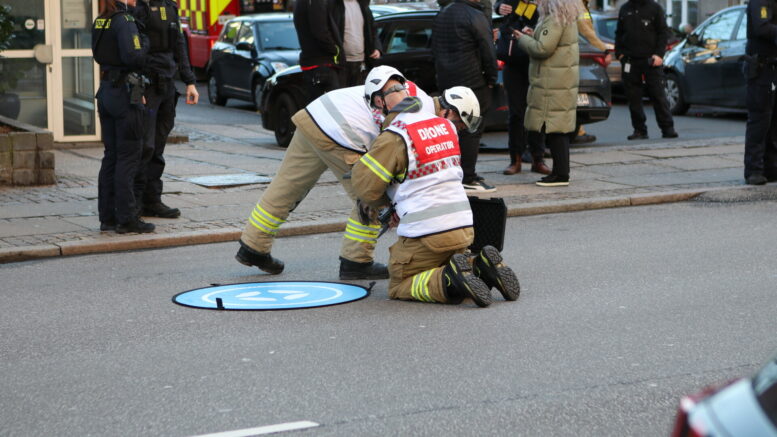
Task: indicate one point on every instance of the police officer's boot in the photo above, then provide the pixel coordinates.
(350, 270)
(159, 209)
(460, 282)
(135, 225)
(264, 261)
(489, 267)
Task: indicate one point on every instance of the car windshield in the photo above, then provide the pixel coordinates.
(765, 387)
(277, 35)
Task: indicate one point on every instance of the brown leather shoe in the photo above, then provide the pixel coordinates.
(513, 168)
(540, 167)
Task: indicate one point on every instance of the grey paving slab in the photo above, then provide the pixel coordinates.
(265, 150)
(691, 151)
(208, 213)
(85, 192)
(227, 131)
(75, 165)
(699, 162)
(36, 226)
(243, 162)
(680, 178)
(626, 169)
(605, 157)
(222, 198)
(86, 207)
(183, 187)
(184, 167)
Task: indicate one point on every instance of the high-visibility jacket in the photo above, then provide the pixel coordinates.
(344, 117)
(429, 198)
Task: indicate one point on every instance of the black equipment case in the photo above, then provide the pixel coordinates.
(489, 219)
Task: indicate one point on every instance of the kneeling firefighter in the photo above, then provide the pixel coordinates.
(333, 132)
(122, 52)
(415, 163)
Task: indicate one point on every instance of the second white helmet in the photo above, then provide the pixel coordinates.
(376, 80)
(464, 101)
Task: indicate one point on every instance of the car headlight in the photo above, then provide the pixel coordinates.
(279, 66)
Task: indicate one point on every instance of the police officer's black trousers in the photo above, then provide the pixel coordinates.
(159, 120)
(654, 81)
(516, 81)
(761, 130)
(470, 142)
(122, 132)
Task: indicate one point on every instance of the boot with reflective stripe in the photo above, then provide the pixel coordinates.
(264, 261)
(489, 267)
(460, 282)
(350, 270)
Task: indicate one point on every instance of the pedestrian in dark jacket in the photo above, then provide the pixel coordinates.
(338, 42)
(464, 55)
(640, 44)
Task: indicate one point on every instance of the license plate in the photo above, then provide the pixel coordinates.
(582, 99)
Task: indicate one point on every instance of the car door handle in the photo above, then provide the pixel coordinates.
(717, 55)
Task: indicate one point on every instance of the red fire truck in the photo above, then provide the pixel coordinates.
(203, 20)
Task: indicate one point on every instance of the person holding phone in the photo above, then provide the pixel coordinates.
(159, 20)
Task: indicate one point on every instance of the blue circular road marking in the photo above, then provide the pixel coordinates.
(271, 295)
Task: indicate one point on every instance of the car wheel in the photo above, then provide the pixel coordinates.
(257, 94)
(214, 96)
(284, 128)
(674, 95)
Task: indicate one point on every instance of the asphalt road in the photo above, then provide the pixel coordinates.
(700, 122)
(622, 311)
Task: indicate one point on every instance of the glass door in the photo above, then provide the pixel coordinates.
(72, 103)
(23, 80)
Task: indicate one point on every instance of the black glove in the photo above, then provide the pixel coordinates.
(364, 212)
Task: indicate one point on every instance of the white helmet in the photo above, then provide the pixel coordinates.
(377, 79)
(463, 100)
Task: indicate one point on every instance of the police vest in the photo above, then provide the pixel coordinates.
(344, 117)
(161, 25)
(430, 199)
(105, 47)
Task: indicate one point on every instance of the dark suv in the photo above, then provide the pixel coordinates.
(406, 39)
(250, 49)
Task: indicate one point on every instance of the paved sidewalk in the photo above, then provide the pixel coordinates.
(61, 220)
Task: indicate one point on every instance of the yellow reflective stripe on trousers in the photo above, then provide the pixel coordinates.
(419, 288)
(361, 233)
(376, 168)
(264, 221)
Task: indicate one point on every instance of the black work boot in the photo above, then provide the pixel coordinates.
(264, 261)
(460, 282)
(488, 266)
(159, 209)
(352, 270)
(135, 225)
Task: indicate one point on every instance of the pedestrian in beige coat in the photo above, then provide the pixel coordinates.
(553, 80)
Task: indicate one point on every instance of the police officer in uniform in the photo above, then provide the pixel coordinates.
(416, 163)
(332, 133)
(167, 54)
(761, 72)
(122, 53)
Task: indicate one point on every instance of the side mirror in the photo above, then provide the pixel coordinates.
(693, 39)
(244, 46)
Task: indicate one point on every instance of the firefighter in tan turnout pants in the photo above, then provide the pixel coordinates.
(333, 132)
(415, 163)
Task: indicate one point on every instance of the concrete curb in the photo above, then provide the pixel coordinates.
(155, 241)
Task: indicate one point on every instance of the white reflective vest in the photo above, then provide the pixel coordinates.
(430, 199)
(427, 101)
(344, 117)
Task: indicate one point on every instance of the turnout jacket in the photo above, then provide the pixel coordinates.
(417, 161)
(641, 31)
(585, 26)
(762, 28)
(168, 53)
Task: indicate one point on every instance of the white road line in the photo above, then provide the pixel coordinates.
(269, 429)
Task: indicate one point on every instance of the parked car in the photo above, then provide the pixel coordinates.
(406, 41)
(705, 68)
(605, 23)
(250, 49)
(393, 8)
(744, 407)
